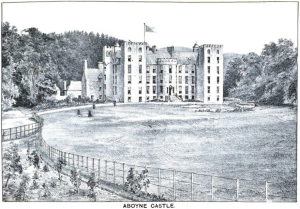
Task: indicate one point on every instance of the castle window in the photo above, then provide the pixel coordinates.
(104, 86)
(115, 90)
(129, 90)
(100, 89)
(129, 68)
(148, 71)
(218, 89)
(148, 98)
(140, 99)
(186, 79)
(218, 51)
(208, 89)
(140, 58)
(170, 68)
(173, 89)
(193, 79)
(129, 49)
(148, 89)
(208, 98)
(180, 69)
(180, 79)
(104, 77)
(161, 78)
(148, 79)
(218, 98)
(208, 79)
(186, 70)
(193, 97)
(180, 90)
(129, 58)
(167, 90)
(154, 70)
(140, 50)
(208, 51)
(161, 69)
(129, 79)
(208, 69)
(161, 89)
(218, 80)
(208, 59)
(193, 70)
(154, 79)
(140, 68)
(186, 97)
(170, 79)
(154, 89)
(154, 97)
(140, 90)
(218, 60)
(140, 78)
(100, 80)
(186, 89)
(218, 70)
(129, 99)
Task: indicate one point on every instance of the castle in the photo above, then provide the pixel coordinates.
(136, 72)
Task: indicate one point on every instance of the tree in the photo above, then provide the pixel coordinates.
(58, 167)
(92, 183)
(11, 163)
(20, 193)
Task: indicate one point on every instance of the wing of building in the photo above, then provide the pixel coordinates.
(135, 72)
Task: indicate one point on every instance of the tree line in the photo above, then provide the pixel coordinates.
(268, 78)
(33, 61)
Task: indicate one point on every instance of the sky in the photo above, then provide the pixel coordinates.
(240, 27)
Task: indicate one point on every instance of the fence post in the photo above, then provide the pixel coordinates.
(73, 161)
(114, 172)
(237, 189)
(266, 191)
(99, 169)
(87, 164)
(93, 165)
(106, 169)
(212, 188)
(78, 161)
(16, 132)
(174, 185)
(158, 192)
(69, 159)
(24, 130)
(82, 161)
(123, 173)
(10, 133)
(192, 186)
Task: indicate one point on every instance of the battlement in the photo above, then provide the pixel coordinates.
(129, 43)
(211, 46)
(167, 60)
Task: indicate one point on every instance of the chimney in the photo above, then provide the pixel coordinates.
(65, 88)
(85, 64)
(154, 49)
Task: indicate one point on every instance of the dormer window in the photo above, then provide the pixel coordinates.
(129, 50)
(129, 58)
(208, 51)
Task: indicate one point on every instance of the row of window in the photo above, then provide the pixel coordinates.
(208, 89)
(161, 97)
(218, 98)
(208, 79)
(161, 90)
(208, 69)
(208, 51)
(161, 71)
(161, 79)
(218, 60)
(140, 50)
(140, 58)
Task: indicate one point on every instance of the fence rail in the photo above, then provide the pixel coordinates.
(172, 184)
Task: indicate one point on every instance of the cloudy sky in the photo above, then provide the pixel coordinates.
(240, 27)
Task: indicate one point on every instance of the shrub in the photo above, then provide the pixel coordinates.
(90, 113)
(45, 168)
(20, 194)
(58, 167)
(75, 178)
(35, 175)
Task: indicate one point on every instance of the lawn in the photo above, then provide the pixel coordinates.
(257, 145)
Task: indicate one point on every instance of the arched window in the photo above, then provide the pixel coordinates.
(129, 49)
(140, 50)
(208, 51)
(218, 52)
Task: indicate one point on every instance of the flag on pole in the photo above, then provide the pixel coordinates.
(150, 29)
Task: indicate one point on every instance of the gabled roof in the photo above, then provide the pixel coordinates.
(183, 57)
(92, 74)
(74, 86)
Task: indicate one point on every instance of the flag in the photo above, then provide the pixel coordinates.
(150, 29)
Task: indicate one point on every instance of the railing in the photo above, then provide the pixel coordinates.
(22, 131)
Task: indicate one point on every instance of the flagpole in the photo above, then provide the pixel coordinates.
(144, 33)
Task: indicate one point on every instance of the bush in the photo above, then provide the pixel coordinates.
(135, 181)
(45, 168)
(75, 178)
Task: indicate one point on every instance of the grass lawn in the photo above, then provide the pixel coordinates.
(257, 145)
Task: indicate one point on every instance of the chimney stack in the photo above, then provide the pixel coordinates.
(85, 64)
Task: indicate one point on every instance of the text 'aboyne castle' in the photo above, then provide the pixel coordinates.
(135, 72)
